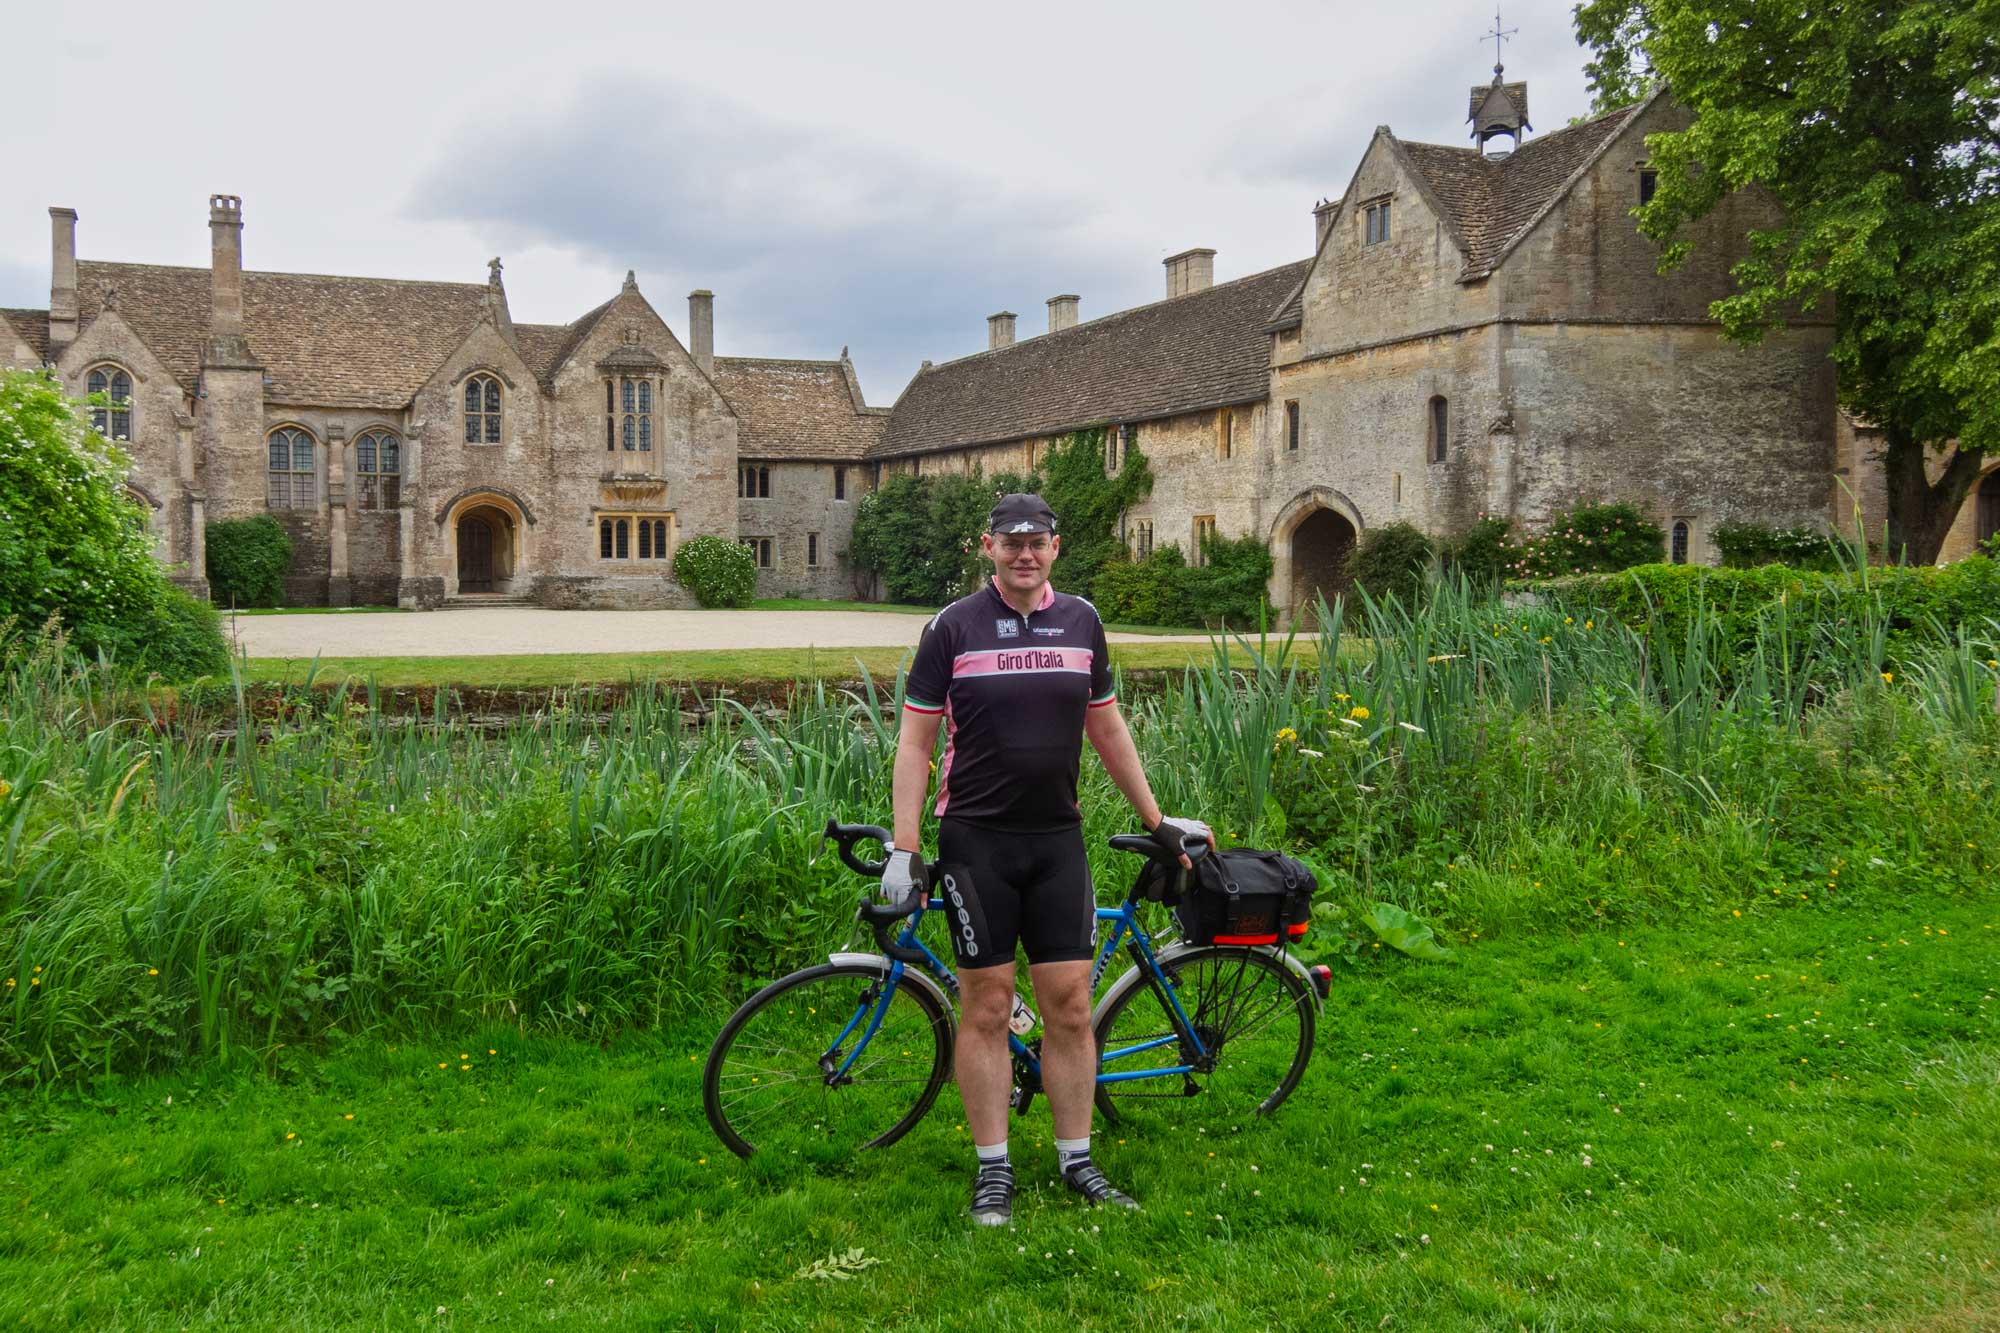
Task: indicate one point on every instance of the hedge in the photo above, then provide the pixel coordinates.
(719, 572)
(1918, 602)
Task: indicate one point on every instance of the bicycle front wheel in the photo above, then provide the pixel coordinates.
(1254, 1018)
(797, 1070)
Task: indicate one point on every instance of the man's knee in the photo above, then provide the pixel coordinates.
(985, 999)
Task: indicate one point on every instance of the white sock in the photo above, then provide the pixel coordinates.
(992, 1154)
(1071, 1151)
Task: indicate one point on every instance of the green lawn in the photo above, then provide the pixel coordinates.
(1784, 1119)
(722, 666)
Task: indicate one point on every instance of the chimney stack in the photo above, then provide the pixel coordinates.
(1323, 213)
(1062, 312)
(1000, 330)
(62, 280)
(701, 328)
(1190, 271)
(225, 275)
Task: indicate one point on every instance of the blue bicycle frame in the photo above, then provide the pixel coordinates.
(1124, 920)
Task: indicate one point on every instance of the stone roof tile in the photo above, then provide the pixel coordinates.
(33, 328)
(797, 409)
(324, 340)
(1492, 202)
(1183, 354)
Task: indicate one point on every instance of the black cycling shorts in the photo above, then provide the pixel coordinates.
(1001, 889)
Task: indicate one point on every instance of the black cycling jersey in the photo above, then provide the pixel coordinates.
(1013, 690)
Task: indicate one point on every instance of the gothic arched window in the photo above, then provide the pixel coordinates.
(378, 470)
(1678, 552)
(482, 410)
(292, 470)
(113, 419)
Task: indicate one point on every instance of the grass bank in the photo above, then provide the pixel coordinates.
(1783, 1119)
(721, 667)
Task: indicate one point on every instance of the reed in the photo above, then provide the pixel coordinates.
(220, 886)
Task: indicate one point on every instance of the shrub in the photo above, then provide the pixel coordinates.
(73, 547)
(1228, 588)
(1590, 539)
(1390, 561)
(182, 640)
(1748, 545)
(248, 559)
(1483, 556)
(719, 572)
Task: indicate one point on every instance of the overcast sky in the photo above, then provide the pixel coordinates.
(878, 175)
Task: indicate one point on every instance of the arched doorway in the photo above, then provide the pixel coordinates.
(1321, 545)
(1989, 507)
(486, 549)
(1311, 541)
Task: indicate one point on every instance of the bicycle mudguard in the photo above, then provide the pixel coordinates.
(1136, 976)
(911, 976)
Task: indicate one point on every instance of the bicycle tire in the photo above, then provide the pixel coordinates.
(1209, 982)
(750, 1116)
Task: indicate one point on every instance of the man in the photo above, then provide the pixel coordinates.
(1019, 674)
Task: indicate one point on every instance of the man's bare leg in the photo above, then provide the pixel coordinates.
(1069, 1051)
(985, 1070)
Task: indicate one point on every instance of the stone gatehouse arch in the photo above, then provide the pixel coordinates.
(486, 540)
(1310, 540)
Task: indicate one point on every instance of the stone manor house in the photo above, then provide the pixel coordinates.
(1478, 330)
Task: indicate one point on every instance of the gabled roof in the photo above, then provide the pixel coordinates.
(324, 340)
(32, 326)
(798, 409)
(1183, 354)
(1492, 202)
(545, 347)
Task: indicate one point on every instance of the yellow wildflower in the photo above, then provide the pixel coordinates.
(1287, 734)
(1358, 713)
(1888, 678)
(152, 971)
(1590, 624)
(5, 787)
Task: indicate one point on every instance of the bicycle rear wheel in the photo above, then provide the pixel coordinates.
(1254, 1017)
(772, 1083)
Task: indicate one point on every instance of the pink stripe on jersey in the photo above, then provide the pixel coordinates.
(944, 769)
(1014, 661)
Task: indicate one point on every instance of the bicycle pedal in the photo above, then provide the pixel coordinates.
(1020, 1098)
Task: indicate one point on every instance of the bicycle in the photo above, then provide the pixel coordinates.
(850, 1053)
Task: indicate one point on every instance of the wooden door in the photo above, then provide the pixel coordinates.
(475, 555)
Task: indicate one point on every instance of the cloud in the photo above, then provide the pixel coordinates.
(810, 239)
(24, 285)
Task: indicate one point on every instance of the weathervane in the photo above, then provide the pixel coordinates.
(1498, 35)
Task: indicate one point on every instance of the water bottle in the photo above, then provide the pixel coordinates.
(1022, 1020)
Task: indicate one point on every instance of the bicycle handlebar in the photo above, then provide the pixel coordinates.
(882, 917)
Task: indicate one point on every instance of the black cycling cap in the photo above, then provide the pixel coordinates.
(1021, 513)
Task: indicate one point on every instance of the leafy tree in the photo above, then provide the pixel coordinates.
(74, 548)
(1877, 128)
(248, 559)
(920, 535)
(1391, 561)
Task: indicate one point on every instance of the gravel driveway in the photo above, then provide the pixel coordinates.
(496, 631)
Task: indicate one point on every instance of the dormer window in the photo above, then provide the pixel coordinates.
(482, 410)
(1375, 222)
(113, 418)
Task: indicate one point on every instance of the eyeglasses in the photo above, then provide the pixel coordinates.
(1015, 545)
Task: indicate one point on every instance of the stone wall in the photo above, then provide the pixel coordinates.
(1192, 477)
(801, 504)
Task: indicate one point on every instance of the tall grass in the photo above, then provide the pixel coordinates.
(209, 887)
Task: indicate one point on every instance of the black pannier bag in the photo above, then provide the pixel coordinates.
(1238, 896)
